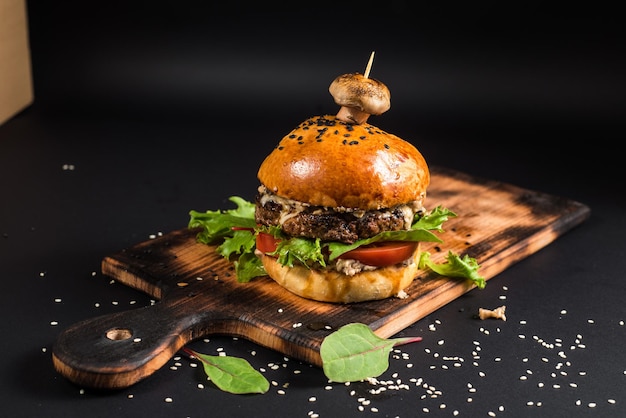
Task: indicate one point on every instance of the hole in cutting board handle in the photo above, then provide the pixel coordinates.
(119, 334)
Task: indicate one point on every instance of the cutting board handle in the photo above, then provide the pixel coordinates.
(117, 350)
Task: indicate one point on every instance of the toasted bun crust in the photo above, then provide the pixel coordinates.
(332, 286)
(327, 162)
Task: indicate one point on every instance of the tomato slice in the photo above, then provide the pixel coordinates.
(266, 243)
(382, 254)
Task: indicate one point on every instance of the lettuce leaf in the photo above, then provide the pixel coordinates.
(236, 230)
(216, 225)
(455, 266)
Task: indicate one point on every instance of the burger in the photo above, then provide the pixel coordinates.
(339, 214)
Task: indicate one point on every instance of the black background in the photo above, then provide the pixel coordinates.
(162, 107)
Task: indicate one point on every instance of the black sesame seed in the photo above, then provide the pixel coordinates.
(387, 146)
(353, 143)
(346, 135)
(292, 136)
(345, 141)
(281, 147)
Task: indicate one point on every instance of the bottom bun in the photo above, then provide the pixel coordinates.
(333, 286)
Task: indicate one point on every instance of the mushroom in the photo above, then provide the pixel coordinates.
(359, 96)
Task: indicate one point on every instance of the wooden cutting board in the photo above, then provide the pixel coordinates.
(498, 224)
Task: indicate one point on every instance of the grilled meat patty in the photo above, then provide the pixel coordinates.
(330, 224)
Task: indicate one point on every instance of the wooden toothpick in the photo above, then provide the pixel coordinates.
(369, 66)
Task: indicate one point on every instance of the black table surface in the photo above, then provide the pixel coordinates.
(143, 115)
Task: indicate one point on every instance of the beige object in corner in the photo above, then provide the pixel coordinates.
(16, 86)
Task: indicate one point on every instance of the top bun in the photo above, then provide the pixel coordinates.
(331, 163)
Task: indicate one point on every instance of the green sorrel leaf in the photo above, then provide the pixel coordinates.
(354, 353)
(232, 374)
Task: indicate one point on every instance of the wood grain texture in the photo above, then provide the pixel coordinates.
(499, 224)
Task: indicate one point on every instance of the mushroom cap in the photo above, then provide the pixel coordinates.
(366, 94)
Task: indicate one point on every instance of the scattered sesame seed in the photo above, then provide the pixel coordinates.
(591, 404)
(54, 323)
(169, 400)
(611, 401)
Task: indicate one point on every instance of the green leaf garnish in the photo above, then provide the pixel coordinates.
(236, 231)
(249, 266)
(306, 251)
(455, 266)
(354, 353)
(232, 374)
(219, 223)
(434, 220)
